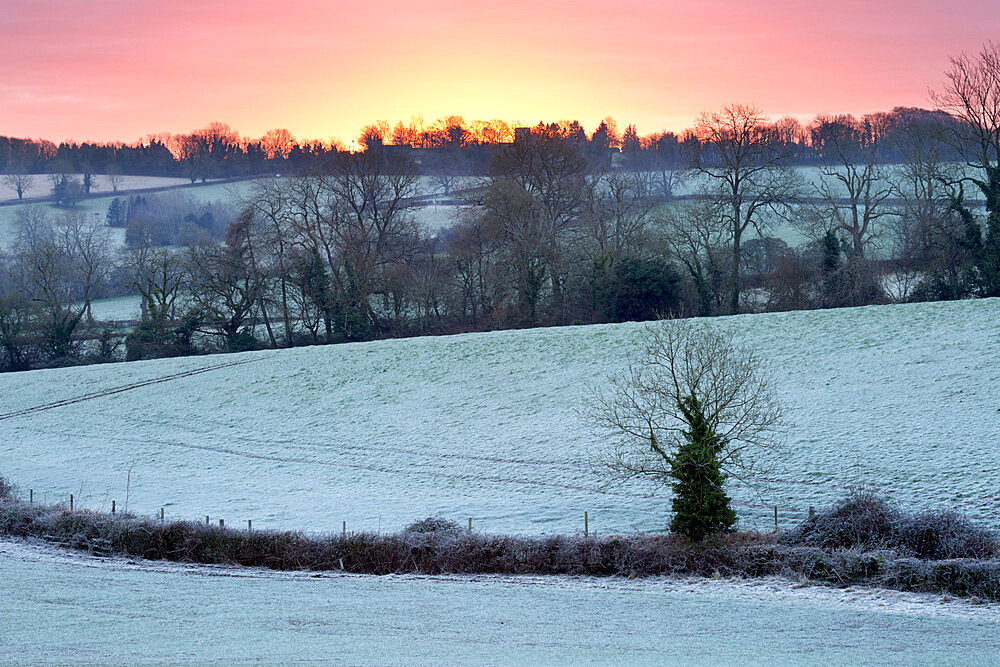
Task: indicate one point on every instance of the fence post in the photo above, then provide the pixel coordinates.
(31, 496)
(470, 524)
(344, 528)
(222, 523)
(112, 507)
(161, 515)
(206, 519)
(586, 524)
(249, 524)
(812, 511)
(71, 502)
(775, 518)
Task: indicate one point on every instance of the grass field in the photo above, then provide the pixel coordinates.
(902, 398)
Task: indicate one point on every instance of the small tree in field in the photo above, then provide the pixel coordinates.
(692, 409)
(700, 504)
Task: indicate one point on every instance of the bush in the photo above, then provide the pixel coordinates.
(867, 521)
(433, 524)
(862, 520)
(945, 534)
(6, 488)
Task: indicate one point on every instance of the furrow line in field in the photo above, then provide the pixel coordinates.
(121, 389)
(447, 476)
(368, 449)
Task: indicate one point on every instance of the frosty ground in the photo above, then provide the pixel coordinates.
(487, 426)
(902, 398)
(66, 607)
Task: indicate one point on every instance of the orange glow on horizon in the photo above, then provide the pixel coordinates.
(120, 71)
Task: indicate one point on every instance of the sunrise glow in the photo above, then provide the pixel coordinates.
(119, 70)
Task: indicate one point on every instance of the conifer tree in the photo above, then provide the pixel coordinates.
(701, 506)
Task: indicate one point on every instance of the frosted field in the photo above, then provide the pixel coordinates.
(117, 309)
(41, 186)
(63, 607)
(903, 398)
(95, 207)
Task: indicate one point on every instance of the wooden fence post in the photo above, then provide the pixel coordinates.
(344, 528)
(222, 523)
(775, 518)
(586, 524)
(112, 507)
(71, 502)
(249, 524)
(206, 519)
(161, 515)
(31, 496)
(470, 524)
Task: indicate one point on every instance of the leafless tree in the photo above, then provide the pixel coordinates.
(619, 211)
(277, 242)
(856, 184)
(113, 175)
(695, 234)
(224, 289)
(87, 240)
(277, 143)
(537, 190)
(477, 256)
(927, 230)
(677, 361)
(18, 179)
(157, 274)
(59, 265)
(746, 171)
(971, 95)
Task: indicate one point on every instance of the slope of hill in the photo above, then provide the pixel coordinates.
(903, 398)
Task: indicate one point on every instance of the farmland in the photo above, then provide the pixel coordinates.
(901, 398)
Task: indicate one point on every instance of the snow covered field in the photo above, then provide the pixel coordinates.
(64, 607)
(41, 185)
(903, 398)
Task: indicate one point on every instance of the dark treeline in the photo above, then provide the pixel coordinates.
(558, 228)
(449, 147)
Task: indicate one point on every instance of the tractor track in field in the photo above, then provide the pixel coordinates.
(122, 388)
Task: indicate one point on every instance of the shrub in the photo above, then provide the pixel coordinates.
(433, 524)
(945, 534)
(7, 489)
(867, 521)
(862, 520)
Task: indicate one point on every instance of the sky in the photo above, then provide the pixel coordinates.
(119, 70)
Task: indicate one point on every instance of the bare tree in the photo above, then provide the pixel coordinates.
(667, 163)
(536, 192)
(59, 265)
(971, 95)
(275, 237)
(277, 143)
(695, 234)
(224, 290)
(856, 186)
(157, 274)
(113, 175)
(18, 179)
(746, 171)
(683, 378)
(619, 210)
(476, 254)
(927, 232)
(87, 240)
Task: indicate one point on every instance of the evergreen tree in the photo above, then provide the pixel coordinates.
(831, 270)
(701, 506)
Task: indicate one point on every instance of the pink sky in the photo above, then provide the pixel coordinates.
(121, 69)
